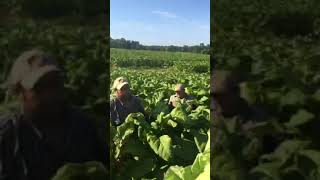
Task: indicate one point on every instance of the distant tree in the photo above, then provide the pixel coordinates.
(128, 44)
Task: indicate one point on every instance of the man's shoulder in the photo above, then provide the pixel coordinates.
(112, 98)
(136, 99)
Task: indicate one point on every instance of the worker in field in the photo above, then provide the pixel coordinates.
(226, 104)
(227, 101)
(45, 132)
(124, 102)
(180, 95)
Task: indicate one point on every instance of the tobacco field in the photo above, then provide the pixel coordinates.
(173, 145)
(274, 46)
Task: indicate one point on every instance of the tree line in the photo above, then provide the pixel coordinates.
(129, 44)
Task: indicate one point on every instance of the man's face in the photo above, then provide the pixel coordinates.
(180, 93)
(124, 91)
(225, 102)
(47, 97)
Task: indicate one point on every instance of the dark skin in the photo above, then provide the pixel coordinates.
(44, 105)
(181, 93)
(228, 103)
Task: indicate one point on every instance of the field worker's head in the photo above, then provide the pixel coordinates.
(180, 90)
(225, 92)
(38, 81)
(122, 87)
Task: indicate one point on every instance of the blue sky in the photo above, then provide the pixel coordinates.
(161, 22)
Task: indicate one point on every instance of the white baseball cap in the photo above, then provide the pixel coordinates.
(29, 68)
(119, 83)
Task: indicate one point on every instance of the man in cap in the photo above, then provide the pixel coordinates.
(46, 132)
(180, 95)
(124, 102)
(227, 104)
(227, 101)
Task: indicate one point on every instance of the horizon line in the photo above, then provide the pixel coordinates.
(147, 44)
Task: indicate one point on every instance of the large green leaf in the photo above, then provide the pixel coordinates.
(316, 95)
(161, 146)
(270, 170)
(300, 118)
(199, 169)
(285, 151)
(225, 166)
(136, 169)
(313, 155)
(293, 97)
(179, 114)
(85, 171)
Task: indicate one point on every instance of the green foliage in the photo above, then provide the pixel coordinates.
(127, 44)
(84, 62)
(86, 171)
(200, 169)
(175, 144)
(57, 8)
(85, 65)
(274, 46)
(159, 59)
(279, 17)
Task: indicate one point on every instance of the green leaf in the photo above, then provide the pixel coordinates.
(172, 123)
(231, 125)
(293, 97)
(137, 168)
(136, 148)
(161, 146)
(225, 166)
(313, 155)
(205, 174)
(185, 151)
(270, 170)
(85, 171)
(248, 92)
(199, 169)
(300, 118)
(202, 160)
(285, 151)
(179, 113)
(316, 95)
(175, 173)
(204, 99)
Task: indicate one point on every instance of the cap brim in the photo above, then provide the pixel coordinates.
(121, 85)
(33, 78)
(179, 89)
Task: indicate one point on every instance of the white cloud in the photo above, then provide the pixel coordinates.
(165, 14)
